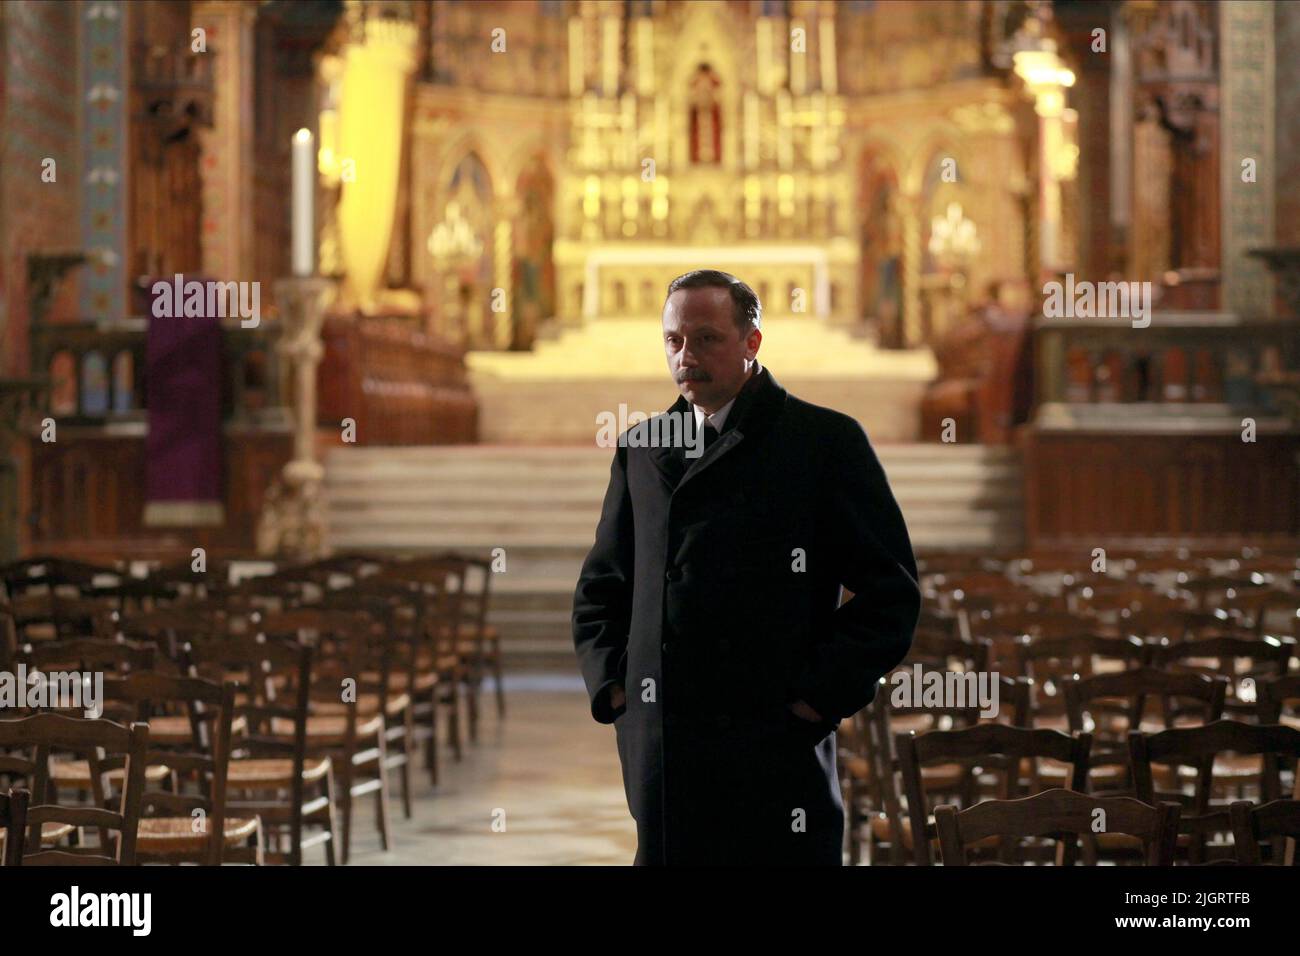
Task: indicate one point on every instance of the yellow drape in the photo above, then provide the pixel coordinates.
(372, 109)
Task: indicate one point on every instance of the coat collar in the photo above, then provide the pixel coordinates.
(758, 403)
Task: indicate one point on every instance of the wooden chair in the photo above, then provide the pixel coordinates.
(873, 787)
(479, 642)
(1200, 748)
(994, 747)
(1049, 662)
(13, 826)
(1245, 662)
(394, 645)
(440, 583)
(1111, 705)
(406, 613)
(48, 821)
(1056, 814)
(187, 821)
(1252, 826)
(270, 774)
(349, 728)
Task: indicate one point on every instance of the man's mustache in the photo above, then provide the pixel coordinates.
(696, 375)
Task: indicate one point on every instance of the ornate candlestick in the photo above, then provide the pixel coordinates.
(293, 521)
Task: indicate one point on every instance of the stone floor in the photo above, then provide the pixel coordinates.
(549, 772)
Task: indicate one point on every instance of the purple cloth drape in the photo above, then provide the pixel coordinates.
(183, 397)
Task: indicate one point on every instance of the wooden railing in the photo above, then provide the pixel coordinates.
(400, 386)
(96, 371)
(1171, 434)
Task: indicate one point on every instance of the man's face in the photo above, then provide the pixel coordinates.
(707, 356)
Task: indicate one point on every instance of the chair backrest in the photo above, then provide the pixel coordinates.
(100, 740)
(1198, 747)
(167, 628)
(1252, 607)
(1057, 813)
(397, 633)
(348, 644)
(1175, 624)
(475, 596)
(991, 747)
(1244, 661)
(87, 654)
(442, 582)
(1110, 705)
(1277, 821)
(1049, 661)
(1133, 688)
(201, 767)
(13, 825)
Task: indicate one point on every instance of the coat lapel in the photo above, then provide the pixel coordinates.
(756, 407)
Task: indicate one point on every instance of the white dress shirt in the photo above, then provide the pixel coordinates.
(716, 419)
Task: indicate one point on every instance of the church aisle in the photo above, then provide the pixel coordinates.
(550, 767)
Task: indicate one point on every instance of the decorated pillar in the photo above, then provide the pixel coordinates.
(105, 95)
(227, 163)
(1246, 100)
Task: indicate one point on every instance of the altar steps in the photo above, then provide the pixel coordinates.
(541, 505)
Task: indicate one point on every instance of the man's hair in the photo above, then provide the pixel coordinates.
(745, 307)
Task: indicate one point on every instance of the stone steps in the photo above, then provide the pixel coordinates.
(541, 504)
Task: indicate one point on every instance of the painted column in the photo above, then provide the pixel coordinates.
(104, 95)
(1246, 114)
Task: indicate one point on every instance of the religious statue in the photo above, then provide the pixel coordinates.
(706, 116)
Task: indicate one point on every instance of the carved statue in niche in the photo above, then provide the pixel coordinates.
(534, 270)
(882, 255)
(706, 116)
(1179, 84)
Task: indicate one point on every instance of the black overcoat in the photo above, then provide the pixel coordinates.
(712, 593)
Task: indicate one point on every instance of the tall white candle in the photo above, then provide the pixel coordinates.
(304, 203)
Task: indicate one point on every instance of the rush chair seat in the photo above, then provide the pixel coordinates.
(166, 837)
(52, 834)
(273, 771)
(76, 775)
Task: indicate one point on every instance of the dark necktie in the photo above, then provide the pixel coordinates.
(710, 435)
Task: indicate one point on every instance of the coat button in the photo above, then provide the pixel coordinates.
(674, 574)
(664, 647)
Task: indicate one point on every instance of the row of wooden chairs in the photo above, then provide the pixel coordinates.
(1079, 704)
(367, 631)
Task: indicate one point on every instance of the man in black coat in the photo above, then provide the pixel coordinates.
(707, 617)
